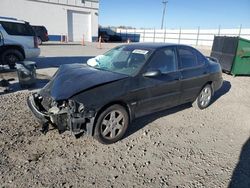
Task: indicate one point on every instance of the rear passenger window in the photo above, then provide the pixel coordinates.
(200, 58)
(187, 57)
(18, 29)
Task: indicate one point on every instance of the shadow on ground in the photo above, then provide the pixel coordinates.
(49, 62)
(60, 44)
(226, 86)
(241, 173)
(146, 120)
(143, 121)
(14, 87)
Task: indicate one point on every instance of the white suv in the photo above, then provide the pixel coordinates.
(17, 41)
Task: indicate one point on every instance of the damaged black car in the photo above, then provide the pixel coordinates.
(103, 96)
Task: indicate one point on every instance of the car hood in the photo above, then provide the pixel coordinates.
(72, 79)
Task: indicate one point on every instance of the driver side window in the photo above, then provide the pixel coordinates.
(164, 60)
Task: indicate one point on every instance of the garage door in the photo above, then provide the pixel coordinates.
(79, 25)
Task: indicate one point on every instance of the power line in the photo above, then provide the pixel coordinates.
(164, 2)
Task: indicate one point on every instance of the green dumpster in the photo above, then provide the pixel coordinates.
(233, 54)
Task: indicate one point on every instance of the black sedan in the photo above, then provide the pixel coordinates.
(102, 97)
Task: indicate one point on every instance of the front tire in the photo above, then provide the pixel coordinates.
(111, 124)
(204, 98)
(11, 56)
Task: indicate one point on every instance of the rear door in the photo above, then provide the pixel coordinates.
(162, 91)
(194, 72)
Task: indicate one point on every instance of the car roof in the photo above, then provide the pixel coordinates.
(14, 20)
(151, 45)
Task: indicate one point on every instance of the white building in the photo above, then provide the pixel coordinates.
(73, 18)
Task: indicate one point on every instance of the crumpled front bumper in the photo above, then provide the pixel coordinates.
(63, 121)
(40, 116)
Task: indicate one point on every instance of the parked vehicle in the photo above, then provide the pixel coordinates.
(105, 95)
(106, 37)
(41, 33)
(18, 41)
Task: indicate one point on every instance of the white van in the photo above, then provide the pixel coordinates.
(17, 41)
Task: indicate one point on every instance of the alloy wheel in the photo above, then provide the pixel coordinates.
(205, 96)
(112, 124)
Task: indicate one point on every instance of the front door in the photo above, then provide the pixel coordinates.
(161, 91)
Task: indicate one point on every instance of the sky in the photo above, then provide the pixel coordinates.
(179, 13)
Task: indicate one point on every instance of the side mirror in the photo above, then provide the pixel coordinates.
(152, 73)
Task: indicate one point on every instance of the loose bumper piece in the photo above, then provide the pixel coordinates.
(41, 117)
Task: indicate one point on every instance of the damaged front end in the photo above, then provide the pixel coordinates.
(64, 114)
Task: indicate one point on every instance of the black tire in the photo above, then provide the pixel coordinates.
(204, 98)
(11, 56)
(39, 41)
(106, 125)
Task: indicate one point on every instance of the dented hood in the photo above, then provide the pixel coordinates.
(74, 78)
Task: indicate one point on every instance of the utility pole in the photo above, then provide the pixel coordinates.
(164, 2)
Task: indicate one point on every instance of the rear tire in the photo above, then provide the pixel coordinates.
(111, 124)
(204, 98)
(11, 56)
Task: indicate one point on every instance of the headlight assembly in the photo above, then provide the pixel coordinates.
(76, 107)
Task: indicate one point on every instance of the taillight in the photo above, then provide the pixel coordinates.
(35, 42)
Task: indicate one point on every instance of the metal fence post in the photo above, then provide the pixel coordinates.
(198, 33)
(240, 29)
(134, 34)
(165, 32)
(144, 35)
(179, 40)
(154, 35)
(126, 34)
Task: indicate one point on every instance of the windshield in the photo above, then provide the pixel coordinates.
(124, 60)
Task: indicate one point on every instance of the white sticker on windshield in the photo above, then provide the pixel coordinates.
(137, 51)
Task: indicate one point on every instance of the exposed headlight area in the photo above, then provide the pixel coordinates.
(76, 107)
(64, 114)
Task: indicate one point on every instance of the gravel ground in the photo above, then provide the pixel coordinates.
(180, 147)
